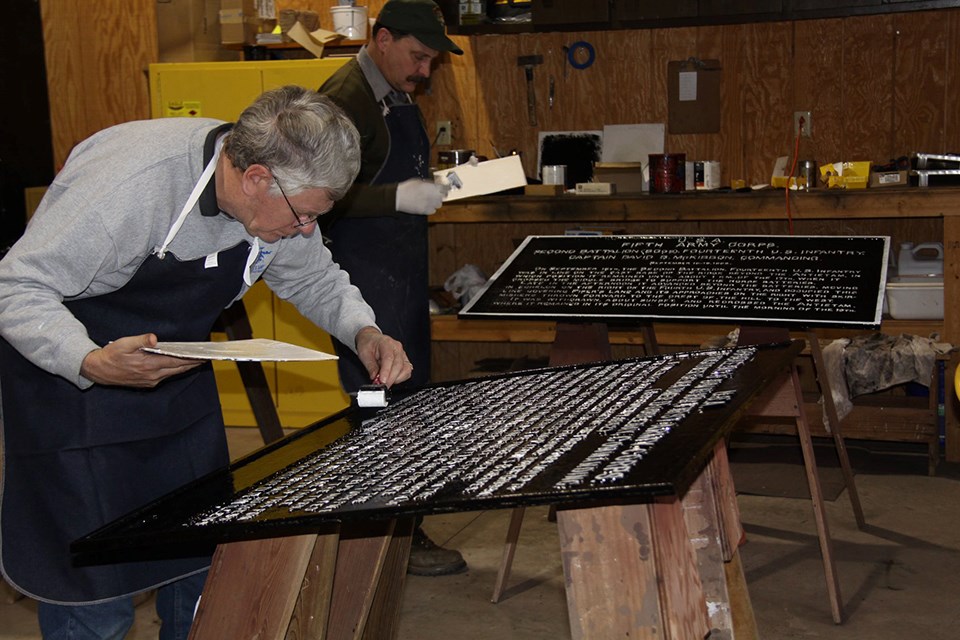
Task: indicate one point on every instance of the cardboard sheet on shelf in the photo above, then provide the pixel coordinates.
(486, 177)
(312, 41)
(256, 349)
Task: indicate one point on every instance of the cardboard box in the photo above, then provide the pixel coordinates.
(240, 21)
(845, 175)
(189, 31)
(889, 178)
(627, 177)
(595, 189)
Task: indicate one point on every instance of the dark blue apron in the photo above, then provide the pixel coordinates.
(76, 460)
(386, 257)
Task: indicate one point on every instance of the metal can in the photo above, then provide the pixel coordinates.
(808, 172)
(667, 172)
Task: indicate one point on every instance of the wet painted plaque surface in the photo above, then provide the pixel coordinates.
(797, 281)
(624, 430)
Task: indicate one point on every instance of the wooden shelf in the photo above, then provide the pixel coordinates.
(450, 328)
(266, 51)
(768, 204)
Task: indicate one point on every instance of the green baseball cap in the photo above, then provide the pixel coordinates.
(420, 18)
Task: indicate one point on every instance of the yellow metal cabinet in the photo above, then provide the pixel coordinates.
(303, 392)
(222, 89)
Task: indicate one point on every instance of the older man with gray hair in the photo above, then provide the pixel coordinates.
(150, 230)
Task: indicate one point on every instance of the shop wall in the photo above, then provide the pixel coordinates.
(878, 86)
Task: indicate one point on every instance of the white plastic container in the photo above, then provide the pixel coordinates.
(924, 259)
(914, 298)
(350, 22)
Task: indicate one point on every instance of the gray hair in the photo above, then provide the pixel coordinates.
(305, 140)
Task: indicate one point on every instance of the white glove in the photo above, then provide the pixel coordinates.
(419, 196)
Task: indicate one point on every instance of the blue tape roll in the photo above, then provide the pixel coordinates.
(572, 54)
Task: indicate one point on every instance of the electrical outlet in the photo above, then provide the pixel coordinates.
(444, 132)
(804, 128)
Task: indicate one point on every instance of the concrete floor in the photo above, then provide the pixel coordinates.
(898, 578)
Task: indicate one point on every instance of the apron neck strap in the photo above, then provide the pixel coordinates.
(198, 188)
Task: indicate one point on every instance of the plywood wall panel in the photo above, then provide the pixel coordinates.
(919, 85)
(96, 57)
(65, 75)
(817, 70)
(120, 53)
(627, 82)
(867, 84)
(951, 71)
(766, 94)
(733, 145)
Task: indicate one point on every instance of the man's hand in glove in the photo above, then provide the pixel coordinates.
(420, 196)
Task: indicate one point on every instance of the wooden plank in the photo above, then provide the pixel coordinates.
(682, 601)
(252, 588)
(449, 328)
(725, 500)
(741, 608)
(312, 611)
(360, 559)
(509, 549)
(836, 427)
(820, 516)
(385, 609)
(705, 529)
(631, 572)
(833, 204)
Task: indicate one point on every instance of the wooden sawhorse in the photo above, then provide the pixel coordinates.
(693, 540)
(583, 343)
(344, 582)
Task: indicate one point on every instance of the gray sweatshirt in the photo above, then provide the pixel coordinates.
(109, 208)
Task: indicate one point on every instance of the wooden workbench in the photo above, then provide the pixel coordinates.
(485, 231)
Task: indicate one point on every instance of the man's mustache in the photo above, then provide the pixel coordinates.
(416, 79)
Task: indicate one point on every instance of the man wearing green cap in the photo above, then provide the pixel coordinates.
(378, 232)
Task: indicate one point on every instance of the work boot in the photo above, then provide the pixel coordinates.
(428, 559)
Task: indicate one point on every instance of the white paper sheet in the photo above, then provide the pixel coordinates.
(632, 142)
(486, 177)
(257, 349)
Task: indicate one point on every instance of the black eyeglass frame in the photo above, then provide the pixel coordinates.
(302, 221)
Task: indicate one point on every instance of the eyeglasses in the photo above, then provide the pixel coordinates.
(302, 221)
